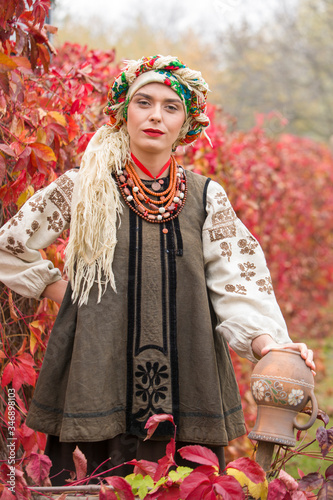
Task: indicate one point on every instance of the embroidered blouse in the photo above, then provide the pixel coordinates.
(237, 276)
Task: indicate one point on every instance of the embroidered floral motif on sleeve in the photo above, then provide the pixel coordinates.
(247, 270)
(61, 196)
(226, 250)
(265, 285)
(55, 222)
(15, 248)
(38, 204)
(221, 199)
(240, 289)
(34, 227)
(14, 220)
(247, 245)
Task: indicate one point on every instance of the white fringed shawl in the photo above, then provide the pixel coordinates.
(96, 208)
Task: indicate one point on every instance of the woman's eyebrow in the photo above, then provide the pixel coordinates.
(147, 96)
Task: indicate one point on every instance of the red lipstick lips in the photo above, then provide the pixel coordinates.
(153, 132)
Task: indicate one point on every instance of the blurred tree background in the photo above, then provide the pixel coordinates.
(281, 61)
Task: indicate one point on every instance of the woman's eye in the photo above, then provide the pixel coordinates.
(172, 108)
(143, 102)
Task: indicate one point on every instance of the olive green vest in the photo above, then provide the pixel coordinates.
(149, 348)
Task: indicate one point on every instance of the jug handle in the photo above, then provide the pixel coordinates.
(313, 415)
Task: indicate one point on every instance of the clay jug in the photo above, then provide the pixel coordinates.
(281, 385)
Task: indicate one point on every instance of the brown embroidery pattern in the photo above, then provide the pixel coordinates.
(240, 289)
(55, 222)
(61, 196)
(265, 285)
(2, 232)
(223, 225)
(38, 204)
(224, 216)
(15, 220)
(34, 227)
(222, 232)
(247, 270)
(247, 245)
(221, 199)
(13, 247)
(226, 250)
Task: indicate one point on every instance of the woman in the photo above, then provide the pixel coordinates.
(162, 275)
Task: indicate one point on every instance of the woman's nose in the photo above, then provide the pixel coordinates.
(155, 114)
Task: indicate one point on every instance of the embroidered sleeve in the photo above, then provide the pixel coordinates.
(238, 279)
(39, 222)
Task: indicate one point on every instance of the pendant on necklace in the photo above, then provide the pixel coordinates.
(156, 186)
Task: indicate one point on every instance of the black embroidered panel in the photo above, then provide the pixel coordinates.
(152, 357)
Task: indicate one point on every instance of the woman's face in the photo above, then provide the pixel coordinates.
(155, 117)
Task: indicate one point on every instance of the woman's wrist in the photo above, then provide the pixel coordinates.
(55, 291)
(258, 344)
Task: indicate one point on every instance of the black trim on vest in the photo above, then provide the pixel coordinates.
(172, 279)
(204, 198)
(130, 315)
(137, 305)
(178, 236)
(163, 273)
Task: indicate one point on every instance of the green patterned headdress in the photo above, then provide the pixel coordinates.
(187, 83)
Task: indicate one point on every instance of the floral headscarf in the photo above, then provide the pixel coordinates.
(187, 83)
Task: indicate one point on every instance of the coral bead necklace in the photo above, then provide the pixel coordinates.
(155, 207)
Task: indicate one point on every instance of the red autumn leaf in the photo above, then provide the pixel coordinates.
(107, 494)
(165, 493)
(43, 151)
(80, 463)
(24, 372)
(59, 129)
(277, 490)
(44, 56)
(38, 467)
(167, 461)
(83, 142)
(22, 62)
(144, 467)
(7, 375)
(208, 470)
(8, 150)
(6, 494)
(325, 439)
(250, 468)
(195, 485)
(288, 480)
(228, 487)
(75, 106)
(200, 455)
(311, 482)
(121, 486)
(152, 423)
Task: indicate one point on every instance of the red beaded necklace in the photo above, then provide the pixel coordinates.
(150, 205)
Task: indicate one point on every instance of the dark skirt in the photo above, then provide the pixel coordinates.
(113, 452)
